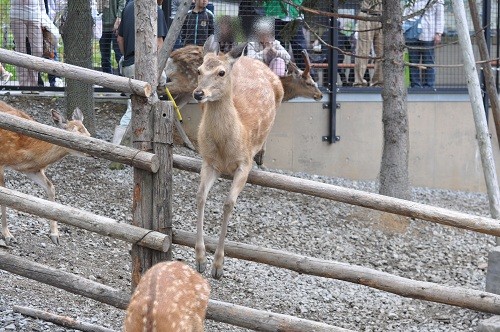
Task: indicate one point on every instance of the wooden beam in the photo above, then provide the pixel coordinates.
(96, 147)
(83, 219)
(85, 75)
(428, 291)
(360, 198)
(64, 321)
(219, 311)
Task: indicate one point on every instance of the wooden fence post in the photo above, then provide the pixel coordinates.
(162, 180)
(146, 55)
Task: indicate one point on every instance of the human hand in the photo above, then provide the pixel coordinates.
(437, 38)
(116, 25)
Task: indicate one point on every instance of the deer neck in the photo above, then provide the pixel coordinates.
(288, 87)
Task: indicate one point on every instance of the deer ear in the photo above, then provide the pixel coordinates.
(211, 46)
(238, 50)
(77, 115)
(58, 118)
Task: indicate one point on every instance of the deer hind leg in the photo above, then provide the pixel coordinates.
(259, 156)
(5, 230)
(239, 180)
(208, 175)
(42, 180)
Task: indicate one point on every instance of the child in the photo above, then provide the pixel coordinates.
(199, 24)
(268, 49)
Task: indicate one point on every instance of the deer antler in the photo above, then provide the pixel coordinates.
(307, 62)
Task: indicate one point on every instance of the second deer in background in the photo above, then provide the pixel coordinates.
(31, 157)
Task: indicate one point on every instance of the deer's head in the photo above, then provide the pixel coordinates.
(214, 74)
(299, 83)
(75, 125)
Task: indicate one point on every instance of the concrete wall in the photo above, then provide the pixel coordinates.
(443, 148)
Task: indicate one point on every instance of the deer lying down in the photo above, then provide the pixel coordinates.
(239, 111)
(32, 156)
(182, 66)
(171, 297)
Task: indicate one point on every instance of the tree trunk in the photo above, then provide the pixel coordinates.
(77, 37)
(394, 179)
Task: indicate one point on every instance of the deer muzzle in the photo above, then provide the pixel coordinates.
(199, 95)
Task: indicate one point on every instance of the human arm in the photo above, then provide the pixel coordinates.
(255, 51)
(281, 52)
(121, 43)
(439, 21)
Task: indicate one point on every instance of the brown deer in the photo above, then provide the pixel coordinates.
(32, 156)
(181, 69)
(239, 111)
(171, 297)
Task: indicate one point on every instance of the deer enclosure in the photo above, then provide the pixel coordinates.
(265, 217)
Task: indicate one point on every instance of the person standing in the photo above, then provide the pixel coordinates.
(26, 25)
(421, 50)
(126, 42)
(199, 24)
(369, 34)
(111, 11)
(288, 17)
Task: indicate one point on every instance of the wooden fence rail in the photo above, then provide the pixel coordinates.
(220, 311)
(85, 75)
(96, 147)
(456, 296)
(82, 219)
(361, 198)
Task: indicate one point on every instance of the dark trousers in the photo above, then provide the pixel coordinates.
(107, 40)
(421, 52)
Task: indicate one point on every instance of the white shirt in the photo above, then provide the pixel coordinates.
(432, 20)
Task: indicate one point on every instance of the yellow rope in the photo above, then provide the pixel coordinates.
(179, 116)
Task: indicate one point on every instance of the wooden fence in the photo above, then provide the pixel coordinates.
(457, 296)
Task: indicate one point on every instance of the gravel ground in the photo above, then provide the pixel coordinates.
(271, 218)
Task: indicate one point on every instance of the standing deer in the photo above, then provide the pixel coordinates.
(171, 297)
(240, 96)
(32, 156)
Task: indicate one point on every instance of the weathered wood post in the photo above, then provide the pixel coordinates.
(146, 55)
(162, 180)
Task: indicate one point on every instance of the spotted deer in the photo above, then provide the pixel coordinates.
(181, 70)
(32, 156)
(239, 111)
(170, 297)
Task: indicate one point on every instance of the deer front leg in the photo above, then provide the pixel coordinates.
(208, 175)
(239, 180)
(40, 179)
(5, 230)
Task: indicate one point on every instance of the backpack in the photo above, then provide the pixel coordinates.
(412, 28)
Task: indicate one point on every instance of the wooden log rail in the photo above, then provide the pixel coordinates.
(456, 296)
(428, 291)
(323, 65)
(96, 147)
(360, 198)
(85, 75)
(83, 219)
(257, 320)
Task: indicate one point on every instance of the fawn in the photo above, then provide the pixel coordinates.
(240, 97)
(32, 156)
(171, 297)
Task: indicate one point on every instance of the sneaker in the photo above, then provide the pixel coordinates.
(6, 77)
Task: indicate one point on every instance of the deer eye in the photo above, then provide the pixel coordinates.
(222, 73)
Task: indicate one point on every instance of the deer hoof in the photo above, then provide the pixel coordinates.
(201, 266)
(217, 272)
(55, 239)
(9, 239)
